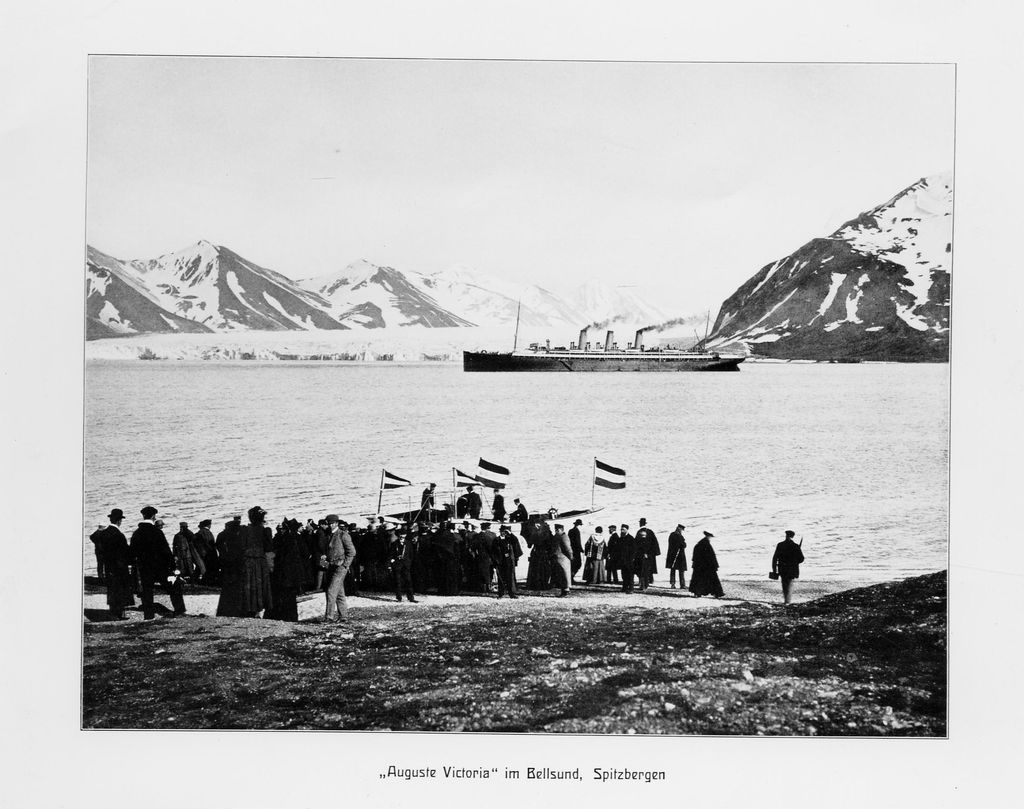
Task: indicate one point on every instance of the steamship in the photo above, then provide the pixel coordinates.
(606, 356)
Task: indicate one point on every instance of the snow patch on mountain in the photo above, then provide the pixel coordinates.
(876, 288)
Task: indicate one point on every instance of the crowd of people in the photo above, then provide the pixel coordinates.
(263, 571)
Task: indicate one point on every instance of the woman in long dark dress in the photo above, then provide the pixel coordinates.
(286, 580)
(246, 589)
(540, 541)
(229, 552)
(704, 578)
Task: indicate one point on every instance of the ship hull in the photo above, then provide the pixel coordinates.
(477, 361)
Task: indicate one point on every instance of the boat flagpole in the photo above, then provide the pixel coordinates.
(380, 494)
(515, 340)
(593, 482)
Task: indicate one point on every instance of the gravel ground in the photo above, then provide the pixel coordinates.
(867, 661)
(203, 601)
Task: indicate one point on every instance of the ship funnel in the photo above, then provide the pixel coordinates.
(608, 340)
(583, 336)
(638, 340)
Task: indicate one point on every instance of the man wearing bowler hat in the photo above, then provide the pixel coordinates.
(118, 566)
(786, 564)
(155, 564)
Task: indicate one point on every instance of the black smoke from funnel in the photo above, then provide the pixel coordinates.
(668, 324)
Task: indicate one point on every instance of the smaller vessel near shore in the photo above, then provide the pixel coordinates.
(583, 356)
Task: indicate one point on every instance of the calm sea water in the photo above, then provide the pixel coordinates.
(851, 457)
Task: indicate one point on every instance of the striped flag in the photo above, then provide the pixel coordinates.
(611, 477)
(389, 481)
(491, 474)
(462, 479)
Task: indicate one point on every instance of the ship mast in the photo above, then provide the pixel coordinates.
(515, 340)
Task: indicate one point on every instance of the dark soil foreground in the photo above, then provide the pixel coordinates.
(864, 662)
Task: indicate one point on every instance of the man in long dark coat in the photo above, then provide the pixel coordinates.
(506, 552)
(482, 547)
(498, 507)
(154, 562)
(576, 543)
(647, 551)
(402, 558)
(786, 564)
(675, 557)
(613, 559)
(704, 580)
(446, 556)
(474, 505)
(117, 558)
(562, 557)
(627, 557)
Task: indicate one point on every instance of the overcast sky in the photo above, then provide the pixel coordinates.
(681, 179)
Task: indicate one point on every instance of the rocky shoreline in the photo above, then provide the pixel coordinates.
(868, 661)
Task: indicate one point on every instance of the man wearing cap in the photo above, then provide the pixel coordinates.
(339, 557)
(786, 564)
(118, 565)
(647, 552)
(576, 542)
(627, 557)
(704, 580)
(474, 505)
(519, 515)
(675, 557)
(563, 560)
(505, 553)
(155, 564)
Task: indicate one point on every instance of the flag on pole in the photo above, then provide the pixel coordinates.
(611, 477)
(462, 479)
(491, 474)
(389, 481)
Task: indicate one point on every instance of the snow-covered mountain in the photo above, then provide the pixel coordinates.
(373, 297)
(216, 287)
(487, 300)
(117, 302)
(206, 287)
(877, 288)
(603, 303)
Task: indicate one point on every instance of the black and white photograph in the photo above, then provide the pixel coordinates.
(489, 403)
(428, 371)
